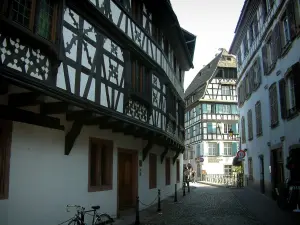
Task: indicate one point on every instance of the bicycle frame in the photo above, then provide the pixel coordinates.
(80, 214)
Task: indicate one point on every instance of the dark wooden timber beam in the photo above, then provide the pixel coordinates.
(20, 115)
(81, 115)
(176, 156)
(163, 155)
(53, 108)
(105, 123)
(3, 86)
(25, 99)
(147, 148)
(71, 136)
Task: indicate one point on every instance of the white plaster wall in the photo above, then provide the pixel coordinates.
(43, 180)
(286, 128)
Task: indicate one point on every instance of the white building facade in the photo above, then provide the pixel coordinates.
(267, 46)
(212, 117)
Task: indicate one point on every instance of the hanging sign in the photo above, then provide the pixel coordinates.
(241, 154)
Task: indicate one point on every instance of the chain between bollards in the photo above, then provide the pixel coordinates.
(158, 201)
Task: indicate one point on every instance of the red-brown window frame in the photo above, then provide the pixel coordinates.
(168, 170)
(35, 8)
(6, 128)
(152, 171)
(109, 152)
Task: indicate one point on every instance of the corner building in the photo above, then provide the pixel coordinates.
(267, 46)
(211, 117)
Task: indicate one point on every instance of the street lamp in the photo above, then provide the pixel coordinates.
(230, 133)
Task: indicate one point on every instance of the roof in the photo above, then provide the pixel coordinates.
(199, 82)
(190, 40)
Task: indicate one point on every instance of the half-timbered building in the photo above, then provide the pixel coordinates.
(91, 105)
(267, 46)
(211, 117)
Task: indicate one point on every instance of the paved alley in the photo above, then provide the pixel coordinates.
(209, 205)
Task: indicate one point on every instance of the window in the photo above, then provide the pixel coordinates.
(211, 128)
(228, 148)
(250, 125)
(152, 171)
(243, 130)
(273, 105)
(185, 154)
(245, 44)
(213, 149)
(166, 46)
(37, 16)
(137, 10)
(225, 90)
(239, 58)
(139, 77)
(286, 29)
(192, 154)
(5, 142)
(227, 169)
(168, 171)
(227, 128)
(198, 151)
(177, 170)
(256, 73)
(287, 94)
(100, 164)
(258, 119)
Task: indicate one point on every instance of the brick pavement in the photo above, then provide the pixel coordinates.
(207, 205)
(211, 205)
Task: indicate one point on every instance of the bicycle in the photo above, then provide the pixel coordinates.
(79, 218)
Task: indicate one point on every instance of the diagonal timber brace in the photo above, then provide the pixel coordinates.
(176, 156)
(147, 149)
(163, 155)
(71, 136)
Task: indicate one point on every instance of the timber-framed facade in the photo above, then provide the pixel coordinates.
(211, 117)
(72, 66)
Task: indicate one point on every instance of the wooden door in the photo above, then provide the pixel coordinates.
(126, 180)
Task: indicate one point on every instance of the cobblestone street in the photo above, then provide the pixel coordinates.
(208, 205)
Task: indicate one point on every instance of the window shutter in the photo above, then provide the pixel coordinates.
(296, 72)
(291, 18)
(218, 148)
(265, 59)
(234, 148)
(204, 108)
(282, 98)
(277, 42)
(258, 71)
(234, 128)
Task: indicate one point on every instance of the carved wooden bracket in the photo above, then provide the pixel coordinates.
(176, 156)
(71, 136)
(147, 149)
(163, 155)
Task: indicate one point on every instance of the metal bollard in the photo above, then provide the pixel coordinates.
(158, 201)
(175, 195)
(183, 188)
(137, 211)
(188, 184)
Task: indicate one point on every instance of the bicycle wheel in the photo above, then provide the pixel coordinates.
(74, 222)
(103, 219)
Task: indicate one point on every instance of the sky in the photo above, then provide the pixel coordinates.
(213, 22)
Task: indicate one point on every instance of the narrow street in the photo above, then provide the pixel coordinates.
(209, 205)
